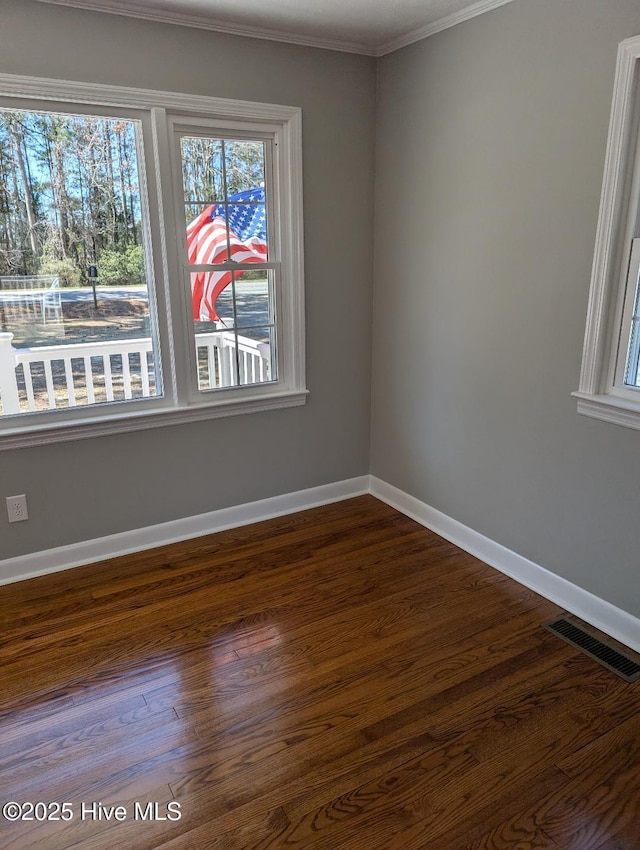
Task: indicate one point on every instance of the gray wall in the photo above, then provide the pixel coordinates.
(95, 487)
(490, 152)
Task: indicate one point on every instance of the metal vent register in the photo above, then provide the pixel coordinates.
(619, 663)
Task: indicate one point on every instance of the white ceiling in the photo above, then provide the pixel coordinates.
(372, 27)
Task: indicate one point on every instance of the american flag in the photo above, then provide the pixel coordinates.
(207, 244)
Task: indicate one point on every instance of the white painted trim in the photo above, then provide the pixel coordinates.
(99, 94)
(126, 542)
(609, 219)
(71, 430)
(437, 26)
(609, 408)
(603, 615)
(616, 229)
(135, 10)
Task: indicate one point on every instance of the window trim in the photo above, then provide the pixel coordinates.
(177, 406)
(601, 393)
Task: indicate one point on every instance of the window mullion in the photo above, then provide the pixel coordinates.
(177, 330)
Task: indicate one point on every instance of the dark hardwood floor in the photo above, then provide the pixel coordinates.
(340, 678)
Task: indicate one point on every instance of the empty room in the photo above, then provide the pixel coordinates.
(319, 413)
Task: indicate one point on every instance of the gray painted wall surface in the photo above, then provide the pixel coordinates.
(101, 486)
(490, 152)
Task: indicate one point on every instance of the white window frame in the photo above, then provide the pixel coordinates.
(158, 110)
(602, 392)
(179, 125)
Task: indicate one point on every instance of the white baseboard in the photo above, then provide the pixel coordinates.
(99, 549)
(602, 615)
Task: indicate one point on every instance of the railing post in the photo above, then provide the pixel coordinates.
(225, 362)
(8, 383)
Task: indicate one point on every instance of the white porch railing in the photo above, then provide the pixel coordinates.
(60, 376)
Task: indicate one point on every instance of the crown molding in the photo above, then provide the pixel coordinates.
(135, 10)
(437, 26)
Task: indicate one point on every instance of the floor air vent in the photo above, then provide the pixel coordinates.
(619, 663)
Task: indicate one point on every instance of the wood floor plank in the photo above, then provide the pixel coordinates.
(521, 832)
(378, 807)
(490, 821)
(595, 808)
(338, 678)
(438, 664)
(57, 739)
(262, 832)
(427, 817)
(556, 704)
(86, 831)
(91, 770)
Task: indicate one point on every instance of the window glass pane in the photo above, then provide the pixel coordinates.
(244, 166)
(202, 174)
(256, 347)
(236, 342)
(70, 206)
(216, 357)
(225, 308)
(212, 296)
(229, 221)
(632, 372)
(253, 300)
(631, 377)
(230, 359)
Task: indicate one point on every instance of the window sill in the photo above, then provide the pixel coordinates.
(609, 408)
(70, 429)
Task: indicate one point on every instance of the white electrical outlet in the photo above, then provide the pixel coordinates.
(17, 508)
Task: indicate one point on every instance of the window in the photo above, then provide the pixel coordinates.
(610, 377)
(228, 258)
(151, 265)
